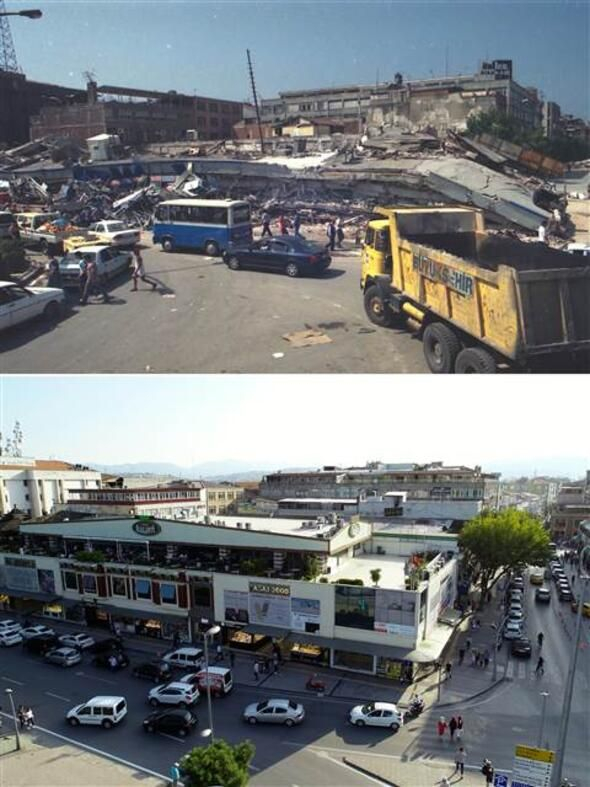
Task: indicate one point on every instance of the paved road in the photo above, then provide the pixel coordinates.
(205, 318)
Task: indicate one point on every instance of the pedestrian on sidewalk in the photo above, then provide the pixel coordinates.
(441, 727)
(461, 655)
(468, 644)
(488, 771)
(486, 658)
(452, 727)
(139, 271)
(459, 732)
(21, 716)
(275, 663)
(218, 653)
(460, 757)
(449, 670)
(331, 233)
(266, 225)
(283, 225)
(29, 719)
(474, 657)
(256, 670)
(232, 659)
(339, 232)
(174, 774)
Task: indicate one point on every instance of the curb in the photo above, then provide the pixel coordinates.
(472, 696)
(367, 772)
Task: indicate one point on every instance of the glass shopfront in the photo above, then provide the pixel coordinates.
(356, 662)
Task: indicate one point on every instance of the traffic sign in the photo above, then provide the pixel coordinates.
(500, 780)
(532, 767)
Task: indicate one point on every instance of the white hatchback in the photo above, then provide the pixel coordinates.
(37, 631)
(9, 625)
(376, 714)
(19, 304)
(176, 693)
(77, 641)
(10, 637)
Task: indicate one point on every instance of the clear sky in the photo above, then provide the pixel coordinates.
(302, 421)
(192, 45)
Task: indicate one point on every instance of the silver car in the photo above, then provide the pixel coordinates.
(63, 657)
(275, 711)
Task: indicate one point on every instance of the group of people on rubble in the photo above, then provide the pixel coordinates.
(334, 229)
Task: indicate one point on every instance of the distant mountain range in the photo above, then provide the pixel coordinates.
(240, 470)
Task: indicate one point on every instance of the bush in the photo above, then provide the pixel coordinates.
(349, 582)
(218, 763)
(96, 556)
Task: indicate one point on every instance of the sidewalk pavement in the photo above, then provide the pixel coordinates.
(408, 773)
(57, 764)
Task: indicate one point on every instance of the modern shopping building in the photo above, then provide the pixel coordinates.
(38, 486)
(158, 577)
(431, 482)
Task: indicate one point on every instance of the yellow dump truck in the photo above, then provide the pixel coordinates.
(479, 300)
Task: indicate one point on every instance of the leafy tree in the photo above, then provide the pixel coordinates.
(375, 576)
(218, 763)
(312, 567)
(497, 542)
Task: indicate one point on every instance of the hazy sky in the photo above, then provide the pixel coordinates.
(191, 45)
(280, 421)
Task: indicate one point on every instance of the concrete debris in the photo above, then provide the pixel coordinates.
(307, 338)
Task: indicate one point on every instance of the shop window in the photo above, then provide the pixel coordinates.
(360, 662)
(355, 607)
(119, 586)
(143, 589)
(202, 595)
(89, 583)
(168, 594)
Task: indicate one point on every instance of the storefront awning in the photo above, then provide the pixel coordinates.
(371, 648)
(266, 631)
(47, 598)
(142, 614)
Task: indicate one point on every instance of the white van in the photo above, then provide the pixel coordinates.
(219, 678)
(99, 711)
(187, 657)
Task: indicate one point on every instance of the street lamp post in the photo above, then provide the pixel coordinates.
(544, 694)
(34, 13)
(569, 686)
(499, 630)
(209, 633)
(11, 700)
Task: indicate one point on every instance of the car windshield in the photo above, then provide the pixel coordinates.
(114, 226)
(293, 705)
(261, 705)
(368, 708)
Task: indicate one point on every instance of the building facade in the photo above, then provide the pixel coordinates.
(571, 508)
(38, 486)
(169, 502)
(158, 577)
(222, 498)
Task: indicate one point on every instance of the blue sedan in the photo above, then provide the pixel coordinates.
(287, 254)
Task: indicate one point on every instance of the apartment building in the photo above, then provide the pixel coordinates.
(222, 498)
(38, 486)
(571, 508)
(258, 579)
(169, 501)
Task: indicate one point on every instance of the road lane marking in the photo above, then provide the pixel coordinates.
(58, 696)
(172, 737)
(357, 772)
(94, 750)
(11, 680)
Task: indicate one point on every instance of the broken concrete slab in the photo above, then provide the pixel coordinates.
(307, 338)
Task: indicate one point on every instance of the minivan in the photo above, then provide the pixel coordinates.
(186, 657)
(219, 678)
(99, 711)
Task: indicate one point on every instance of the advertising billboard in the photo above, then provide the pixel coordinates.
(270, 604)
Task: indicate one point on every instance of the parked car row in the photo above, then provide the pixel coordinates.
(562, 584)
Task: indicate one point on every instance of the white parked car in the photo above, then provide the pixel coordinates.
(19, 304)
(63, 657)
(274, 711)
(512, 630)
(36, 631)
(78, 641)
(117, 233)
(110, 262)
(9, 625)
(10, 637)
(176, 693)
(99, 712)
(377, 714)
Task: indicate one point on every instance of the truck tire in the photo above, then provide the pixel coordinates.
(377, 309)
(441, 347)
(474, 360)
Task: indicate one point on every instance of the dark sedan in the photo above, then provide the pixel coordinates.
(521, 647)
(174, 722)
(287, 254)
(106, 645)
(154, 671)
(41, 644)
(543, 595)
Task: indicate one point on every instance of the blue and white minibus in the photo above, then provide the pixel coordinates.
(208, 225)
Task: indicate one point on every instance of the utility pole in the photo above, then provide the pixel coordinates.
(255, 95)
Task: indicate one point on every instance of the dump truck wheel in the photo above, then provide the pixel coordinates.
(474, 360)
(441, 347)
(376, 308)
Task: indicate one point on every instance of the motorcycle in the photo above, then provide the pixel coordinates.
(415, 708)
(314, 683)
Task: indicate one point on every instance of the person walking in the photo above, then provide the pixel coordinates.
(448, 670)
(256, 671)
(441, 727)
(540, 668)
(94, 284)
(174, 774)
(218, 653)
(266, 225)
(21, 716)
(452, 727)
(297, 224)
(275, 663)
(331, 233)
(468, 644)
(232, 659)
(474, 657)
(486, 658)
(488, 771)
(29, 719)
(460, 757)
(339, 232)
(461, 655)
(283, 225)
(459, 731)
(139, 271)
(53, 274)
